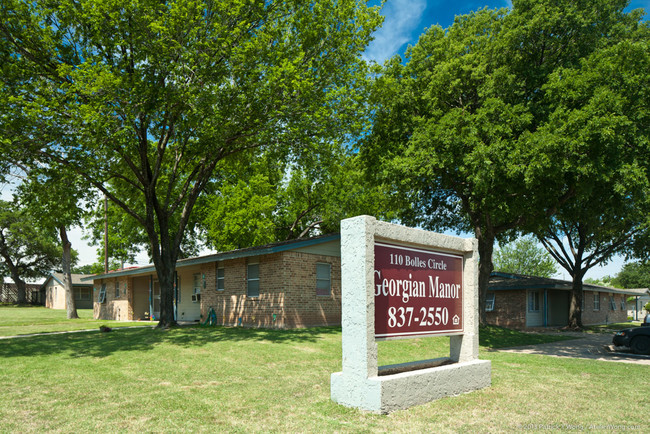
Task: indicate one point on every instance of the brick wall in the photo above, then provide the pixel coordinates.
(287, 294)
(509, 309)
(114, 307)
(604, 314)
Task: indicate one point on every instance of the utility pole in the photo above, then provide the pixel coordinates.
(105, 234)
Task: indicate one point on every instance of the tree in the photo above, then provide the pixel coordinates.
(602, 113)
(55, 196)
(523, 256)
(95, 268)
(146, 99)
(606, 280)
(634, 275)
(459, 128)
(282, 200)
(26, 250)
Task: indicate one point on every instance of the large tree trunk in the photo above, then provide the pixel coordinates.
(575, 307)
(166, 270)
(20, 286)
(164, 255)
(71, 306)
(485, 249)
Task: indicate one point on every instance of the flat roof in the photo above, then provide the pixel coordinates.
(233, 254)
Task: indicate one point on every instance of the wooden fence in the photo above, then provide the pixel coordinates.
(9, 293)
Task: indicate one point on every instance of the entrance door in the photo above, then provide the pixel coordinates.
(558, 308)
(534, 310)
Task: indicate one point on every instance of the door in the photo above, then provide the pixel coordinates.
(156, 299)
(534, 311)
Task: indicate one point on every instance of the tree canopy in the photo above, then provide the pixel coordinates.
(466, 128)
(281, 200)
(634, 275)
(27, 251)
(147, 100)
(602, 113)
(523, 256)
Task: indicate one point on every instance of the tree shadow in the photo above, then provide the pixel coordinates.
(494, 337)
(98, 344)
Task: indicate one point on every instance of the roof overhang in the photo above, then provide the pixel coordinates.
(514, 282)
(233, 254)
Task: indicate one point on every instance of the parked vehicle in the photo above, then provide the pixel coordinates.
(637, 338)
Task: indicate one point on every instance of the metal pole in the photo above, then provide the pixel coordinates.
(105, 234)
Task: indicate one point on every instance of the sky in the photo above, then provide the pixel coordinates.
(405, 21)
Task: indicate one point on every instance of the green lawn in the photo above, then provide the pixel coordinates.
(16, 321)
(610, 328)
(218, 379)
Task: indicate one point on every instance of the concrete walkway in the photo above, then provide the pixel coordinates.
(73, 331)
(596, 346)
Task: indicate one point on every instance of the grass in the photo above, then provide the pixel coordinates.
(21, 320)
(216, 379)
(609, 328)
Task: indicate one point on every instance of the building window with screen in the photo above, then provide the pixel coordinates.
(323, 279)
(489, 302)
(253, 280)
(596, 300)
(533, 301)
(196, 288)
(221, 279)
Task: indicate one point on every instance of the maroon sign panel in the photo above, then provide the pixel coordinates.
(417, 292)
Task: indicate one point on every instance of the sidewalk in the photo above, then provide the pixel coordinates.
(595, 346)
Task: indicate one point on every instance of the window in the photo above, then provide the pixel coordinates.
(82, 294)
(533, 301)
(196, 288)
(323, 279)
(596, 300)
(221, 279)
(612, 302)
(117, 289)
(253, 279)
(102, 294)
(623, 306)
(489, 302)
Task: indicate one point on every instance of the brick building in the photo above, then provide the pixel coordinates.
(289, 284)
(518, 301)
(298, 284)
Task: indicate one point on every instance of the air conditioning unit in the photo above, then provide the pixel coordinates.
(196, 298)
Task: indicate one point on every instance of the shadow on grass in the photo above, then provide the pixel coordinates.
(97, 344)
(494, 337)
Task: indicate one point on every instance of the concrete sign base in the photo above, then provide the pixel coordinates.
(361, 383)
(404, 390)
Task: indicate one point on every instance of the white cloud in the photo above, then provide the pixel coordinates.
(401, 19)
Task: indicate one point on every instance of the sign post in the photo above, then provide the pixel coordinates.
(400, 283)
